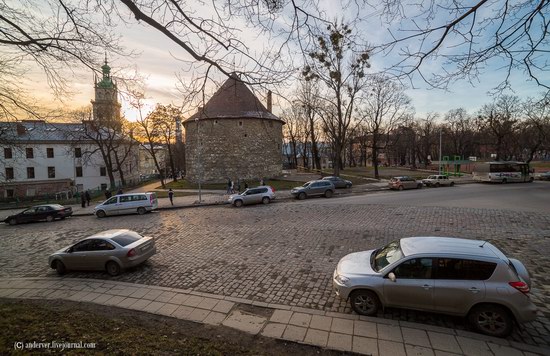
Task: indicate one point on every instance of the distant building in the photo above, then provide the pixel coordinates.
(38, 158)
(233, 136)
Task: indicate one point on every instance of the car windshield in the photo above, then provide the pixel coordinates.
(432, 177)
(386, 255)
(127, 238)
(307, 184)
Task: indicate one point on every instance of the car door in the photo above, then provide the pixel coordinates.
(253, 196)
(110, 206)
(28, 215)
(76, 258)
(459, 284)
(99, 252)
(413, 287)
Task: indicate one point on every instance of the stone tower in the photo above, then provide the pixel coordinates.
(106, 108)
(233, 136)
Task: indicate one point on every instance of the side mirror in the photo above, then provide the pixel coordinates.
(392, 277)
(69, 250)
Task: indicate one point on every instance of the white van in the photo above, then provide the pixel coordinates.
(127, 204)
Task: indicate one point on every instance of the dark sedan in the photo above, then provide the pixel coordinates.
(48, 212)
(339, 182)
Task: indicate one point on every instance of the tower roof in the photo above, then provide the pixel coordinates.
(233, 100)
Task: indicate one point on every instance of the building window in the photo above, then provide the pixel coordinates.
(8, 153)
(30, 172)
(79, 171)
(78, 152)
(49, 152)
(30, 152)
(102, 171)
(240, 123)
(245, 135)
(10, 193)
(51, 172)
(9, 173)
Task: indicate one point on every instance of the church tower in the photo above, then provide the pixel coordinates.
(106, 108)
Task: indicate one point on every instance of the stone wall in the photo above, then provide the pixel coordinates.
(245, 148)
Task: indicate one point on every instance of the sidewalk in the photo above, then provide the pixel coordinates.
(345, 332)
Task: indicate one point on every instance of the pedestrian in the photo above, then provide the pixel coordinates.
(171, 196)
(88, 197)
(245, 185)
(107, 194)
(239, 185)
(262, 181)
(229, 185)
(232, 187)
(82, 199)
(119, 191)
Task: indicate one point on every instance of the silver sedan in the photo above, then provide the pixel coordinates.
(111, 250)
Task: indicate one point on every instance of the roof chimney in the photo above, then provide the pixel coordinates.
(21, 130)
(269, 103)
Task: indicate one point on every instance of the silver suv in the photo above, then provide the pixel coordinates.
(439, 274)
(262, 194)
(312, 188)
(437, 180)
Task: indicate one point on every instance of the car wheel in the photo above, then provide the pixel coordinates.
(452, 184)
(491, 320)
(348, 186)
(50, 218)
(328, 193)
(365, 302)
(419, 186)
(238, 203)
(437, 185)
(13, 221)
(113, 268)
(531, 180)
(265, 200)
(302, 196)
(141, 210)
(100, 214)
(504, 181)
(400, 187)
(62, 218)
(59, 267)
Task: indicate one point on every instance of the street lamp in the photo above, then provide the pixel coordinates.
(199, 168)
(440, 131)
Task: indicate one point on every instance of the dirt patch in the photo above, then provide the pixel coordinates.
(120, 331)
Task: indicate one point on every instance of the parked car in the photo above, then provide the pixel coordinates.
(544, 176)
(127, 204)
(339, 182)
(262, 194)
(313, 188)
(48, 212)
(111, 250)
(439, 274)
(404, 182)
(438, 180)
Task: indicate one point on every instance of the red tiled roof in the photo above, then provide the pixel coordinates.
(233, 100)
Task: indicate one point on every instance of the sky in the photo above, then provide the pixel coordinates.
(156, 62)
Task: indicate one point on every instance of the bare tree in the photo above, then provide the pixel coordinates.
(163, 121)
(461, 132)
(534, 135)
(467, 37)
(339, 63)
(500, 121)
(428, 138)
(384, 108)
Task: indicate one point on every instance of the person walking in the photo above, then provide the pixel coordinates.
(262, 181)
(119, 191)
(232, 187)
(229, 185)
(238, 185)
(171, 196)
(107, 194)
(82, 199)
(245, 185)
(88, 197)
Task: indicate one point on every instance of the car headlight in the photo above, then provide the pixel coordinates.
(341, 279)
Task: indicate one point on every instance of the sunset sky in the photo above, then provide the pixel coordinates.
(158, 64)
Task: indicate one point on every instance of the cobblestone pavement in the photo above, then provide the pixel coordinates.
(285, 253)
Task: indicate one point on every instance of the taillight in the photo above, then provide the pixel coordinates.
(272, 189)
(131, 253)
(521, 286)
(151, 198)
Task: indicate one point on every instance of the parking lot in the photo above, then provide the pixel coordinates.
(285, 253)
